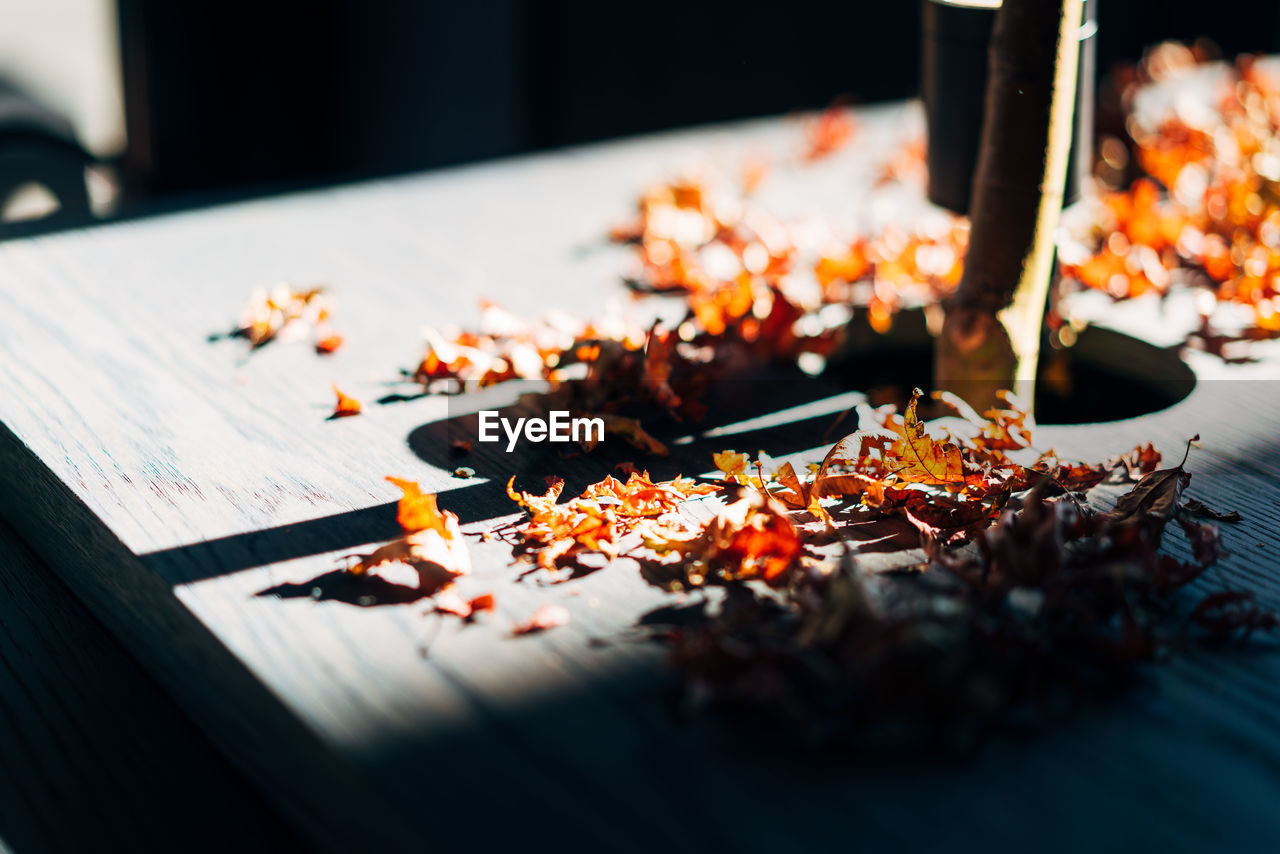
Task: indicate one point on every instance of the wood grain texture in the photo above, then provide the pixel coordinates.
(93, 755)
(200, 503)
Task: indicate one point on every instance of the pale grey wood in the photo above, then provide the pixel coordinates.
(213, 494)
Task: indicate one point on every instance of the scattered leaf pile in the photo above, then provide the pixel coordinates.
(1024, 596)
(1018, 593)
(749, 296)
(602, 521)
(1206, 213)
(286, 313)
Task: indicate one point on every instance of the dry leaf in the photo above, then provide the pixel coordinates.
(1197, 507)
(329, 344)
(345, 406)
(432, 545)
(596, 521)
(278, 313)
(547, 616)
(1155, 499)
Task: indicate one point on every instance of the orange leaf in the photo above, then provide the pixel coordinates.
(919, 457)
(329, 344)
(416, 510)
(345, 406)
(432, 544)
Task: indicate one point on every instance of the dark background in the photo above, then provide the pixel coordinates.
(235, 94)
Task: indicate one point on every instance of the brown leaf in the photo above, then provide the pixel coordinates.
(1155, 500)
(416, 510)
(1198, 508)
(919, 457)
(795, 493)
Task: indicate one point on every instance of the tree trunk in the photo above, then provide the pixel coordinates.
(991, 335)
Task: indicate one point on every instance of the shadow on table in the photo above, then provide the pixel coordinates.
(782, 410)
(778, 408)
(611, 756)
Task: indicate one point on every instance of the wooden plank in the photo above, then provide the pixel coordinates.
(91, 749)
(196, 498)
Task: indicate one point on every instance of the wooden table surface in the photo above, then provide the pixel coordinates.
(93, 754)
(194, 498)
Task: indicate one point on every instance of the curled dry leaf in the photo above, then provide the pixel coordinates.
(432, 544)
(1196, 507)
(345, 405)
(1156, 498)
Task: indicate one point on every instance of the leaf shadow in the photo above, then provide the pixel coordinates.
(365, 591)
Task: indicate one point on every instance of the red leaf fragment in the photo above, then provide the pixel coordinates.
(829, 132)
(547, 616)
(1138, 463)
(483, 602)
(449, 602)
